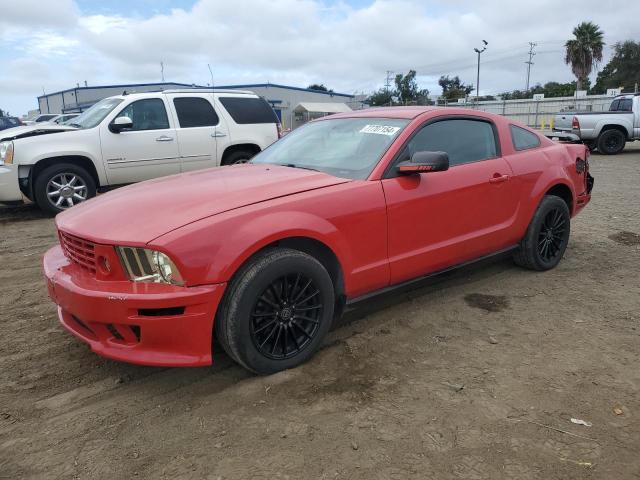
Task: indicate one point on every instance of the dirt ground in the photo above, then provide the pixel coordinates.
(475, 377)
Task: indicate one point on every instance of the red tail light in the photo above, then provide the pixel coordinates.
(575, 124)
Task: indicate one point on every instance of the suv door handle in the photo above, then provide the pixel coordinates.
(498, 178)
(218, 134)
(164, 138)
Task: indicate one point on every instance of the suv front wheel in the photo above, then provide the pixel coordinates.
(61, 186)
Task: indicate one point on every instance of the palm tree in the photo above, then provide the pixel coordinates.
(584, 51)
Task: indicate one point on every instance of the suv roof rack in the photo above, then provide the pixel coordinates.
(635, 94)
(208, 90)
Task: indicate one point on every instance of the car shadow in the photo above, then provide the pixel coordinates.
(21, 213)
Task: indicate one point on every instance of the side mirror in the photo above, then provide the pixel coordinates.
(423, 162)
(120, 124)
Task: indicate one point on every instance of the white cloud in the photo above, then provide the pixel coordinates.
(299, 42)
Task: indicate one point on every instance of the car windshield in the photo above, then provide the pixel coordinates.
(94, 115)
(343, 147)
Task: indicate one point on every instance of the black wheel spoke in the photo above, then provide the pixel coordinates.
(269, 302)
(304, 332)
(265, 326)
(275, 344)
(304, 309)
(269, 336)
(302, 302)
(304, 289)
(306, 319)
(285, 317)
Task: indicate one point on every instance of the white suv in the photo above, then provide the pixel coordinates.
(133, 137)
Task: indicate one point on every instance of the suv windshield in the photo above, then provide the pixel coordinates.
(344, 147)
(94, 115)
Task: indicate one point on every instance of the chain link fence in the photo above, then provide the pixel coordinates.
(534, 113)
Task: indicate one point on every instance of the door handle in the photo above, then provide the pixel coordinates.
(218, 134)
(497, 178)
(164, 138)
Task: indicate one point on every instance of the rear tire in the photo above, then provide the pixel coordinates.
(237, 157)
(547, 237)
(61, 186)
(611, 142)
(276, 311)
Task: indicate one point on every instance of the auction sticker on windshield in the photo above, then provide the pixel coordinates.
(380, 129)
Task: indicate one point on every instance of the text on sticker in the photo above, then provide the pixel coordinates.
(380, 129)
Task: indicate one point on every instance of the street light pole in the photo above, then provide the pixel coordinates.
(479, 51)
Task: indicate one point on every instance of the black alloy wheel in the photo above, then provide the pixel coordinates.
(552, 235)
(547, 236)
(276, 310)
(286, 316)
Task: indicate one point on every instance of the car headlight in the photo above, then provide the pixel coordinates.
(6, 153)
(151, 266)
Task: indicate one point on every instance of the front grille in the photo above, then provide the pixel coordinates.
(79, 251)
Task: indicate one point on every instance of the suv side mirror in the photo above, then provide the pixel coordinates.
(423, 162)
(120, 124)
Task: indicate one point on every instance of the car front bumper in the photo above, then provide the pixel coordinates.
(9, 185)
(145, 324)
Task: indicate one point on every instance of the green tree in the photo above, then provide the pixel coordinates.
(623, 70)
(319, 86)
(584, 51)
(407, 89)
(453, 88)
(380, 98)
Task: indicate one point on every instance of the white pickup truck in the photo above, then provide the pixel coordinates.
(129, 138)
(606, 132)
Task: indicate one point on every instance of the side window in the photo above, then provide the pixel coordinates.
(614, 106)
(523, 139)
(195, 112)
(246, 110)
(626, 105)
(463, 140)
(147, 114)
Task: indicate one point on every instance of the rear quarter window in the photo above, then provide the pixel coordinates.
(523, 139)
(246, 110)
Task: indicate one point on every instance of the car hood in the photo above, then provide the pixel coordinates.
(139, 213)
(33, 130)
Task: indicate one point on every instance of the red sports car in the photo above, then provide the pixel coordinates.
(265, 255)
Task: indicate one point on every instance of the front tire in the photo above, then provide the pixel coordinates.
(547, 237)
(611, 142)
(237, 157)
(61, 186)
(277, 310)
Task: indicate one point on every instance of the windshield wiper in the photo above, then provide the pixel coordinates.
(77, 125)
(293, 165)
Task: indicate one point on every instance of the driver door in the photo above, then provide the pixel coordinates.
(147, 150)
(440, 219)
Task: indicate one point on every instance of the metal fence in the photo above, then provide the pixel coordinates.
(535, 113)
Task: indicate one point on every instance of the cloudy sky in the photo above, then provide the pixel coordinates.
(346, 44)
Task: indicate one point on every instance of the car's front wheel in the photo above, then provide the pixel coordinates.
(277, 310)
(547, 237)
(61, 186)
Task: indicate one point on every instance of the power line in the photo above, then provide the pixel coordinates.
(532, 45)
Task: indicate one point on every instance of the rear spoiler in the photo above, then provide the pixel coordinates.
(563, 137)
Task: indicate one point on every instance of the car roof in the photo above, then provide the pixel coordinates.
(412, 112)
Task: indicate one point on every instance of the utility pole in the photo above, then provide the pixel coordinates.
(479, 51)
(532, 45)
(162, 71)
(387, 83)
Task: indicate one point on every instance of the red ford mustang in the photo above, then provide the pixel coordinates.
(265, 255)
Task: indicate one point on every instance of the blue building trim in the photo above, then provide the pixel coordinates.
(188, 85)
(287, 87)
